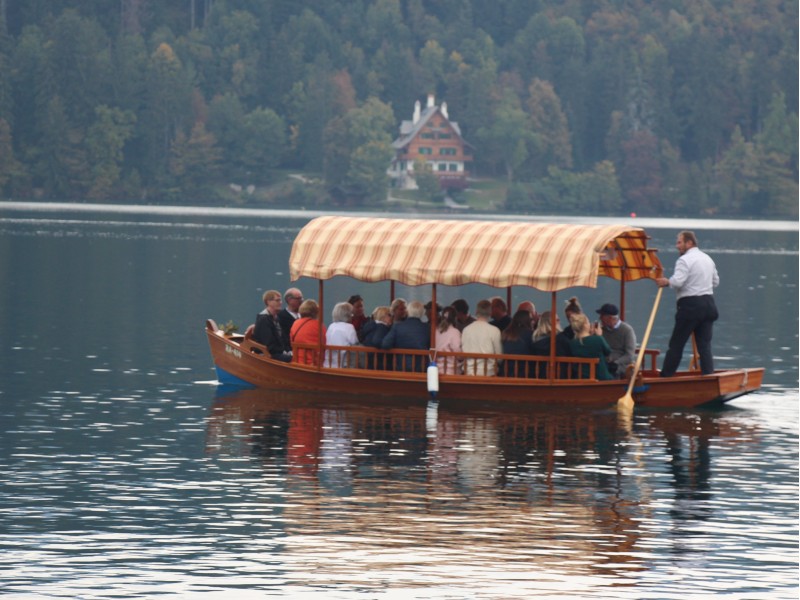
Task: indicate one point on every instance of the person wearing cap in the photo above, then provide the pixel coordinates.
(693, 280)
(620, 338)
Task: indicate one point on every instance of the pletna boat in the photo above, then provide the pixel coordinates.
(547, 257)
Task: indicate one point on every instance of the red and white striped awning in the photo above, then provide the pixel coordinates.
(547, 257)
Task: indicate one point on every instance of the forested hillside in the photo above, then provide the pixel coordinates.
(674, 107)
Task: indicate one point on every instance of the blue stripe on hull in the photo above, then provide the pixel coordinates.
(226, 378)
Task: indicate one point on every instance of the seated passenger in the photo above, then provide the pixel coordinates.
(588, 344)
(291, 312)
(463, 318)
(374, 331)
(359, 318)
(572, 308)
(268, 330)
(500, 317)
(541, 343)
(481, 338)
(428, 316)
(306, 330)
(399, 310)
(516, 339)
(340, 333)
(448, 338)
(410, 334)
(621, 339)
(531, 308)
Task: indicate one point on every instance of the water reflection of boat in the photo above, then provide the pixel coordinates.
(414, 252)
(518, 484)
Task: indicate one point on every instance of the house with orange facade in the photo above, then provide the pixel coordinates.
(430, 136)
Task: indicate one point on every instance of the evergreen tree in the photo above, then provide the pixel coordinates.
(166, 106)
(105, 141)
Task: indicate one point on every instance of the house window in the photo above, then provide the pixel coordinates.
(452, 166)
(445, 136)
(425, 150)
(442, 166)
(447, 151)
(427, 136)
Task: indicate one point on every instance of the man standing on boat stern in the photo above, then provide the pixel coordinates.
(694, 280)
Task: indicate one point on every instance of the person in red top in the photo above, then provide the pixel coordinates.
(306, 330)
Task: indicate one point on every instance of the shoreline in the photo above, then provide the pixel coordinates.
(272, 213)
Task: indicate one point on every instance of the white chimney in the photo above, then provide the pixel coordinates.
(430, 100)
(416, 112)
(443, 110)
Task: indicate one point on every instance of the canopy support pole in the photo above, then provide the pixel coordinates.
(553, 331)
(508, 301)
(622, 296)
(391, 291)
(320, 319)
(433, 315)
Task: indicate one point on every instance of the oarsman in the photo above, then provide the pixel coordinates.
(693, 280)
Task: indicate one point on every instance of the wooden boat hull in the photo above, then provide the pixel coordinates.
(237, 366)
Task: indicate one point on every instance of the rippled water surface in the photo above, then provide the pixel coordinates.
(126, 472)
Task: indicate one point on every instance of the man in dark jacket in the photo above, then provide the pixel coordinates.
(268, 330)
(411, 334)
(286, 317)
(500, 317)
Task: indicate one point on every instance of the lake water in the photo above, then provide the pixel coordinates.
(127, 473)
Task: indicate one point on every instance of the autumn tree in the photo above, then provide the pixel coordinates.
(640, 174)
(194, 159)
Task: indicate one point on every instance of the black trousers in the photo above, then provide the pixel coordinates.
(695, 314)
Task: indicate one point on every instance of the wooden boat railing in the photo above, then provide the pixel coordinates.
(511, 366)
(365, 358)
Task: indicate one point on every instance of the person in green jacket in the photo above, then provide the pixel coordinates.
(589, 344)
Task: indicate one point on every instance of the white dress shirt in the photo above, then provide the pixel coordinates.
(695, 274)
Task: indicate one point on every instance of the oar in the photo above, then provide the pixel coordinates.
(626, 401)
(694, 365)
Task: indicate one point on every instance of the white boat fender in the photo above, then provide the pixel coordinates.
(433, 376)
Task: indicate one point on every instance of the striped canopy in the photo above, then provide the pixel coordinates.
(547, 257)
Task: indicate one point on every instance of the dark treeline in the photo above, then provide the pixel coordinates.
(669, 107)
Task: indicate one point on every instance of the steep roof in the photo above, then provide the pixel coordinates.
(409, 129)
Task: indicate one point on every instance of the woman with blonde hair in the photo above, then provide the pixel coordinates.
(587, 344)
(374, 331)
(306, 330)
(541, 341)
